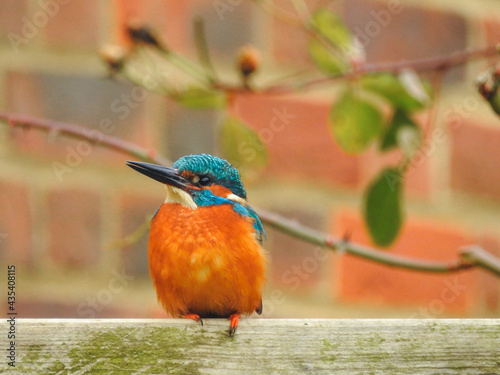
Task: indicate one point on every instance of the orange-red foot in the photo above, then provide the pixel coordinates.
(235, 318)
(195, 317)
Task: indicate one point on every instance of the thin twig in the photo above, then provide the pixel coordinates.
(202, 48)
(425, 64)
(278, 13)
(419, 65)
(437, 84)
(478, 256)
(471, 257)
(81, 132)
(189, 67)
(306, 234)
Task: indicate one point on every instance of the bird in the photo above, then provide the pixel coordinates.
(205, 250)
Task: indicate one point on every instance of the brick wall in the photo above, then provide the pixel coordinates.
(63, 203)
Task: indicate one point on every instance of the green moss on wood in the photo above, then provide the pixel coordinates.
(33, 353)
(153, 350)
(327, 350)
(57, 367)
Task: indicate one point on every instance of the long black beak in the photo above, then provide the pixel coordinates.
(161, 174)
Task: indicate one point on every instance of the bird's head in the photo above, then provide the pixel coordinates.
(196, 180)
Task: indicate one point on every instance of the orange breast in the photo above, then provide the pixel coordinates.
(205, 261)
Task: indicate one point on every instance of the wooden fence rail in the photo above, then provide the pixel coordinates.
(260, 346)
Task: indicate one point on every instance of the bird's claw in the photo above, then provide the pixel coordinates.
(234, 319)
(194, 317)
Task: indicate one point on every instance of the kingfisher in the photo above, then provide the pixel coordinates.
(205, 243)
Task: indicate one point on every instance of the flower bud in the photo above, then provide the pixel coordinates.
(143, 34)
(488, 84)
(248, 60)
(114, 56)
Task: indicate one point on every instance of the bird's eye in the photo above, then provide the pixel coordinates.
(205, 181)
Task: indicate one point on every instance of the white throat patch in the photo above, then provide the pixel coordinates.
(235, 198)
(176, 195)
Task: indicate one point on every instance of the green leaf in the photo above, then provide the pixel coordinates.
(199, 98)
(382, 207)
(333, 29)
(494, 101)
(241, 145)
(390, 87)
(409, 139)
(354, 122)
(325, 60)
(416, 87)
(403, 132)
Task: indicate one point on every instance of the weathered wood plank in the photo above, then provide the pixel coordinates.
(260, 346)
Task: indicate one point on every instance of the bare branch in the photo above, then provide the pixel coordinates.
(306, 234)
(470, 257)
(478, 256)
(426, 64)
(81, 132)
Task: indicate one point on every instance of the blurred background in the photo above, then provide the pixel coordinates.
(65, 203)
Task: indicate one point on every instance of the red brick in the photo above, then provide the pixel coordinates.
(74, 23)
(289, 44)
(417, 178)
(489, 285)
(295, 265)
(135, 209)
(74, 216)
(25, 97)
(170, 19)
(11, 14)
(25, 93)
(15, 223)
(105, 106)
(188, 131)
(177, 23)
(360, 280)
(228, 28)
(491, 29)
(474, 157)
(391, 33)
(289, 41)
(300, 146)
